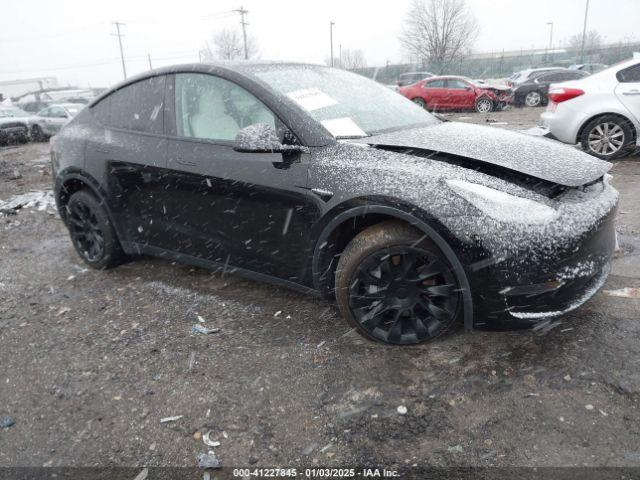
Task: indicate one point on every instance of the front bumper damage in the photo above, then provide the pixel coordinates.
(523, 276)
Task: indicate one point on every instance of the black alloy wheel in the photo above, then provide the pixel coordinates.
(401, 293)
(91, 232)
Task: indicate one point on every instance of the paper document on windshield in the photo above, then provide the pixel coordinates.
(343, 127)
(311, 99)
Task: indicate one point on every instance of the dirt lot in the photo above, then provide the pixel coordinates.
(92, 361)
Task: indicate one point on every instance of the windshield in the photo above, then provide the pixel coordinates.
(12, 112)
(348, 105)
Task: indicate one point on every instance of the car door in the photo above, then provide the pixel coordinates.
(57, 119)
(461, 94)
(43, 121)
(126, 150)
(249, 210)
(436, 95)
(628, 90)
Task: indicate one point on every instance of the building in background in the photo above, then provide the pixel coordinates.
(15, 88)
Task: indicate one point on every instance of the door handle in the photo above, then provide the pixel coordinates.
(632, 92)
(188, 163)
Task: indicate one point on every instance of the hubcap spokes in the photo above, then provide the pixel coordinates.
(606, 138)
(484, 106)
(533, 99)
(403, 295)
(86, 232)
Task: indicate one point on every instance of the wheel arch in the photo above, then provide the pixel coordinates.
(73, 180)
(363, 216)
(604, 114)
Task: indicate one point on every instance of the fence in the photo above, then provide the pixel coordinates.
(503, 64)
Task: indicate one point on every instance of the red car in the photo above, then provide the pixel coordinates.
(455, 93)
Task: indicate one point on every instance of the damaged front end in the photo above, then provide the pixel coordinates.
(533, 272)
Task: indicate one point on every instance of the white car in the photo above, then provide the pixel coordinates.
(48, 121)
(601, 112)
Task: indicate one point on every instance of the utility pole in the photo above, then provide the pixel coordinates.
(244, 24)
(119, 35)
(149, 58)
(340, 54)
(584, 31)
(550, 40)
(331, 24)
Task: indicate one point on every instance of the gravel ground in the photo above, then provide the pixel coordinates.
(92, 361)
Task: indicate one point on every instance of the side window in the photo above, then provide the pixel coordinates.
(57, 112)
(135, 107)
(45, 113)
(212, 108)
(456, 84)
(552, 77)
(629, 75)
(434, 84)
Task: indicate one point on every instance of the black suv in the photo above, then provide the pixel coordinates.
(324, 181)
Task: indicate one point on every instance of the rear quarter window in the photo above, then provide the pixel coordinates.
(137, 107)
(629, 75)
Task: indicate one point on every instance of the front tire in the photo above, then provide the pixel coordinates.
(36, 134)
(608, 137)
(484, 105)
(394, 285)
(91, 232)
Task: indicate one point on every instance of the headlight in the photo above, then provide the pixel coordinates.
(502, 206)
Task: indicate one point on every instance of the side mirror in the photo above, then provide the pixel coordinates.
(261, 138)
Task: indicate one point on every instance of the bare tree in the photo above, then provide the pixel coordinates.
(350, 59)
(439, 31)
(592, 41)
(228, 45)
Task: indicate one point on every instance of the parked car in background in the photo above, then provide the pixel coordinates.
(451, 93)
(35, 101)
(291, 173)
(589, 67)
(14, 125)
(601, 111)
(410, 78)
(523, 75)
(47, 122)
(533, 93)
(503, 93)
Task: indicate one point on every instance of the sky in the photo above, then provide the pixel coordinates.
(72, 39)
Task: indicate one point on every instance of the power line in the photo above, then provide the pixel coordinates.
(119, 35)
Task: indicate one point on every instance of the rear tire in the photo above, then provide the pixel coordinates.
(92, 233)
(419, 101)
(608, 137)
(394, 285)
(533, 99)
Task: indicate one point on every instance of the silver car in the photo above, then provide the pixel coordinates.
(48, 121)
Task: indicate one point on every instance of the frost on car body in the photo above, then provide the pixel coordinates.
(289, 173)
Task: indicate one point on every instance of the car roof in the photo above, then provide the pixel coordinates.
(242, 68)
(448, 77)
(416, 73)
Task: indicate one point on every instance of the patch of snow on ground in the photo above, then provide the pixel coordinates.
(37, 199)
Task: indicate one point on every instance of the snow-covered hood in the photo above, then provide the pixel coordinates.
(537, 157)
